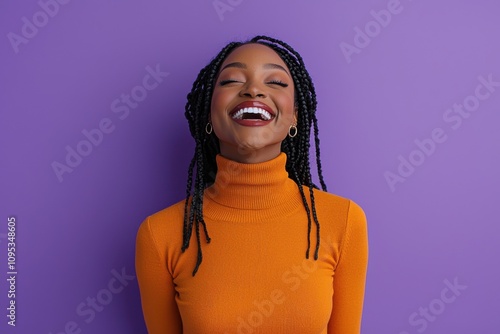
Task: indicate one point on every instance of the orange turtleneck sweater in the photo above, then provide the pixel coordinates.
(254, 277)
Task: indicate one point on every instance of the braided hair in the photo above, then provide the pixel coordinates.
(203, 168)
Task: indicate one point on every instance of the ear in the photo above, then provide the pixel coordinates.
(295, 115)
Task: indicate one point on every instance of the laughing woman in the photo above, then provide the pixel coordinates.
(279, 255)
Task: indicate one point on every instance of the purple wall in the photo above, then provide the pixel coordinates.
(409, 107)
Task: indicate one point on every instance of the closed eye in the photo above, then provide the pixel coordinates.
(227, 81)
(278, 82)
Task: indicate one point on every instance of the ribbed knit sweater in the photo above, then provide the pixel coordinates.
(255, 277)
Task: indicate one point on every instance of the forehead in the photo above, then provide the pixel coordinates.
(254, 53)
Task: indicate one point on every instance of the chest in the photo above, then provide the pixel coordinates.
(251, 291)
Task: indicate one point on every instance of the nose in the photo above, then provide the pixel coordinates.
(252, 89)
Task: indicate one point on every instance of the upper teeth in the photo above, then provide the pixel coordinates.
(265, 114)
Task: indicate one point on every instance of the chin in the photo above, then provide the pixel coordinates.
(251, 146)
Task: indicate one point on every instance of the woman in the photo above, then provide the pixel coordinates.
(253, 207)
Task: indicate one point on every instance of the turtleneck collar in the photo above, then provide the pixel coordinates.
(262, 188)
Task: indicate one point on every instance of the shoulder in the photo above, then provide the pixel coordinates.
(344, 212)
(356, 213)
(167, 215)
(330, 198)
(165, 223)
(329, 203)
(337, 202)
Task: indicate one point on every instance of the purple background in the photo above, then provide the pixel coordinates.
(440, 224)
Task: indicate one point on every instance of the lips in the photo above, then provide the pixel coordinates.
(252, 113)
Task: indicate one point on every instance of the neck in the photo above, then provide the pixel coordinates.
(250, 156)
(261, 188)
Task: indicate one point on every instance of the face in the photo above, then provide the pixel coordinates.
(252, 104)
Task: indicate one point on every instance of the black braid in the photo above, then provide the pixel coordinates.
(203, 168)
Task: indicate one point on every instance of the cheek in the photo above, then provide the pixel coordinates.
(287, 104)
(217, 113)
(215, 101)
(219, 103)
(216, 106)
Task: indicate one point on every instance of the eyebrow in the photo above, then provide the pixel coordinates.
(266, 66)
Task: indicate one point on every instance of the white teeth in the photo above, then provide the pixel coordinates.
(265, 114)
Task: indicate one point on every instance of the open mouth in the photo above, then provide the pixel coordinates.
(253, 111)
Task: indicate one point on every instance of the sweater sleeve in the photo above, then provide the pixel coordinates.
(350, 275)
(156, 285)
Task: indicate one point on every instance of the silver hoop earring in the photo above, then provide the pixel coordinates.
(208, 128)
(292, 131)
